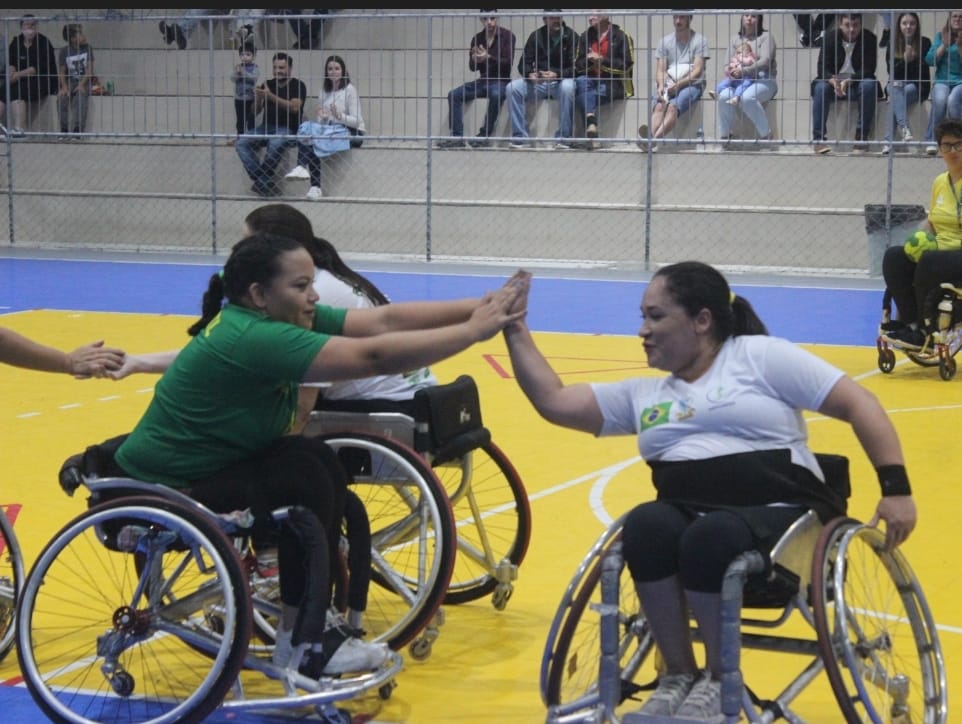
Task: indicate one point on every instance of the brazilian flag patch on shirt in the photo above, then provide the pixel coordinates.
(654, 416)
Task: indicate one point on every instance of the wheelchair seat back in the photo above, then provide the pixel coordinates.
(449, 420)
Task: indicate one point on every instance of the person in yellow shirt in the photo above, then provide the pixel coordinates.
(914, 272)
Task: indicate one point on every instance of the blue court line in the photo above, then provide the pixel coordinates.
(807, 314)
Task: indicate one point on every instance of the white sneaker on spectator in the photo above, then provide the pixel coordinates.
(886, 149)
(314, 193)
(907, 134)
(298, 172)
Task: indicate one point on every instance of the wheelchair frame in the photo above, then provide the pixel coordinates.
(11, 582)
(489, 501)
(946, 341)
(875, 637)
(139, 609)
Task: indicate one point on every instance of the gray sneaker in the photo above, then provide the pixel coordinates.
(703, 703)
(671, 692)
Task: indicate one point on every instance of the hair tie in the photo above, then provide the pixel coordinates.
(731, 297)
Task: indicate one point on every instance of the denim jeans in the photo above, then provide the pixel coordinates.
(493, 90)
(276, 140)
(752, 104)
(901, 95)
(521, 90)
(591, 93)
(946, 100)
(823, 96)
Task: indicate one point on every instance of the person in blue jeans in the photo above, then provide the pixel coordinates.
(547, 69)
(846, 71)
(606, 56)
(280, 100)
(946, 98)
(910, 80)
(491, 55)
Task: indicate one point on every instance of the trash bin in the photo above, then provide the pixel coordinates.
(903, 220)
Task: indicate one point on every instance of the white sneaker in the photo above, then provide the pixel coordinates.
(314, 193)
(298, 172)
(907, 134)
(356, 655)
(931, 150)
(886, 149)
(669, 695)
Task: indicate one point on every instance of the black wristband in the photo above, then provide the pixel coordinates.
(893, 480)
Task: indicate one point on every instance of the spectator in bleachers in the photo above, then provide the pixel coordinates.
(76, 67)
(606, 58)
(910, 80)
(945, 57)
(758, 75)
(812, 28)
(31, 73)
(845, 71)
(244, 77)
(679, 77)
(547, 69)
(491, 55)
(308, 30)
(280, 101)
(338, 119)
(181, 30)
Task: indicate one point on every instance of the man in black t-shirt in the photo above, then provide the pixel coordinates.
(280, 101)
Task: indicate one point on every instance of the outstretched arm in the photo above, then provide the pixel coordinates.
(152, 362)
(853, 403)
(403, 316)
(392, 352)
(91, 360)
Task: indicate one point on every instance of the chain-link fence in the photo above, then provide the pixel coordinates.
(154, 168)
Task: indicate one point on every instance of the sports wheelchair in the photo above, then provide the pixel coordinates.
(443, 433)
(141, 609)
(940, 347)
(870, 631)
(11, 581)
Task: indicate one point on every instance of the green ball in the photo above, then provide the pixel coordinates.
(919, 243)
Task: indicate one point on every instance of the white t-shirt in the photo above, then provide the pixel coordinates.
(335, 292)
(749, 399)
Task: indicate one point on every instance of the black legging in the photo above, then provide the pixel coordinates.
(911, 283)
(661, 539)
(293, 470)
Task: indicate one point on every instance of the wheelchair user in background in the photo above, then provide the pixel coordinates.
(219, 419)
(723, 435)
(914, 272)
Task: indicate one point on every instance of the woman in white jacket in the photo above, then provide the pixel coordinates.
(336, 127)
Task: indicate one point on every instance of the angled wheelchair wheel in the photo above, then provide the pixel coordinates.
(493, 519)
(11, 582)
(570, 664)
(876, 634)
(412, 535)
(136, 611)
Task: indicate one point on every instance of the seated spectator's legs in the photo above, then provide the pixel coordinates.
(456, 100)
(565, 90)
(18, 114)
(939, 103)
(866, 93)
(586, 95)
(247, 147)
(518, 92)
(665, 115)
(82, 101)
(823, 96)
(898, 272)
(954, 109)
(934, 267)
(273, 157)
(752, 104)
(494, 91)
(901, 96)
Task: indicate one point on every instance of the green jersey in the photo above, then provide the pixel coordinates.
(229, 393)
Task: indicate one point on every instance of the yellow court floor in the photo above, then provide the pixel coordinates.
(485, 664)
